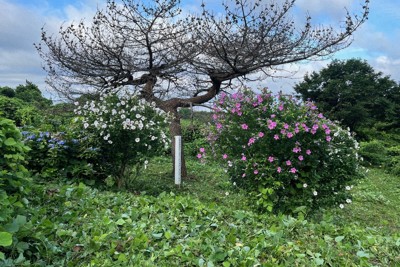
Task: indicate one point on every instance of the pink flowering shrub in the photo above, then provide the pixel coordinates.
(285, 153)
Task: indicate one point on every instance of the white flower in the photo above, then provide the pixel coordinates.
(110, 142)
(348, 187)
(348, 200)
(137, 140)
(123, 116)
(305, 185)
(315, 193)
(226, 193)
(341, 206)
(85, 125)
(76, 103)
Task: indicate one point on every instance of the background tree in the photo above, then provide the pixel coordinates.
(353, 93)
(7, 91)
(30, 93)
(178, 61)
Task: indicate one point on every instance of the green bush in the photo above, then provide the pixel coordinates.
(65, 154)
(283, 152)
(21, 113)
(14, 186)
(193, 137)
(374, 152)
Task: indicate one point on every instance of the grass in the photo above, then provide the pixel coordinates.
(376, 202)
(207, 183)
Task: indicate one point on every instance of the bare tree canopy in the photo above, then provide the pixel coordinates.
(178, 61)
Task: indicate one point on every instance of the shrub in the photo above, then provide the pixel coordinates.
(21, 113)
(61, 154)
(126, 130)
(14, 185)
(374, 152)
(283, 152)
(193, 137)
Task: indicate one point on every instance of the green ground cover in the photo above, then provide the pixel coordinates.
(204, 222)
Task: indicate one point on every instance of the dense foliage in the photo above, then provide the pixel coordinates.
(353, 93)
(285, 153)
(20, 112)
(80, 226)
(14, 187)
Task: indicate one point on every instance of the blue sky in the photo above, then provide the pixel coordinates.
(377, 41)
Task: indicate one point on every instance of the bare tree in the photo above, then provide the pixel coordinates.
(180, 61)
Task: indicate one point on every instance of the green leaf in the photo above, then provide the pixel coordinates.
(339, 238)
(157, 235)
(362, 254)
(319, 261)
(10, 142)
(2, 256)
(5, 239)
(120, 222)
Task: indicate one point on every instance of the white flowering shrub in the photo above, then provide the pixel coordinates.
(127, 131)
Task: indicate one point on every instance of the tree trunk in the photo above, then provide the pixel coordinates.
(175, 129)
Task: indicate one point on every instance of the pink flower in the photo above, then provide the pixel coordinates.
(202, 150)
(273, 116)
(224, 156)
(279, 169)
(296, 149)
(320, 115)
(243, 175)
(199, 156)
(308, 152)
(244, 158)
(271, 159)
(289, 135)
(280, 107)
(301, 158)
(260, 134)
(286, 126)
(245, 126)
(276, 137)
(255, 171)
(328, 138)
(215, 116)
(219, 125)
(293, 170)
(271, 124)
(288, 162)
(251, 141)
